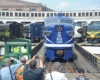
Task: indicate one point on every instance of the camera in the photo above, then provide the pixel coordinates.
(36, 56)
(12, 61)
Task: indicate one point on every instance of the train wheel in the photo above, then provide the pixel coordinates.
(47, 59)
(70, 59)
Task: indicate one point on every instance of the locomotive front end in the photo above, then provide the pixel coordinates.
(93, 33)
(58, 38)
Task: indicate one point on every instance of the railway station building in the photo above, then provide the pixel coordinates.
(18, 5)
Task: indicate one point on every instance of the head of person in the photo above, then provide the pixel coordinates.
(23, 60)
(33, 64)
(80, 72)
(57, 66)
(7, 62)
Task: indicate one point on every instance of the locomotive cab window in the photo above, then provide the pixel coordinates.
(17, 49)
(66, 21)
(51, 21)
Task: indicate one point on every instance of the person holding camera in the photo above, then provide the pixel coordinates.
(81, 75)
(19, 72)
(9, 71)
(31, 71)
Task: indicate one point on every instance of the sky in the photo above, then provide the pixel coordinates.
(66, 5)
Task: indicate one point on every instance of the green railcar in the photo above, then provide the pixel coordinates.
(10, 49)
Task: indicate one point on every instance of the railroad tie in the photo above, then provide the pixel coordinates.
(69, 67)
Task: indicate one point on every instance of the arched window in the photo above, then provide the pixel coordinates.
(16, 14)
(71, 14)
(32, 14)
(83, 14)
(3, 13)
(23, 14)
(7, 13)
(74, 14)
(35, 14)
(11, 14)
(90, 13)
(19, 14)
(66, 14)
(79, 14)
(51, 14)
(95, 13)
(27, 14)
(42, 14)
(47, 14)
(39, 14)
(87, 14)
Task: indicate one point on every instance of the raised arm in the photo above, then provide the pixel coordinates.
(30, 60)
(41, 62)
(17, 61)
(16, 66)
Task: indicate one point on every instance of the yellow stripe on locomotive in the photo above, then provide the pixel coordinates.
(93, 34)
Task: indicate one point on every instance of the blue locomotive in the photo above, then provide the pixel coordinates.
(33, 31)
(58, 37)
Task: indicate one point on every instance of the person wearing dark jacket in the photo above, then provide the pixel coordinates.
(31, 71)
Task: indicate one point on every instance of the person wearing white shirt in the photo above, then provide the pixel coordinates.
(56, 74)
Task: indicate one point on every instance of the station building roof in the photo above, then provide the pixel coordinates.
(13, 5)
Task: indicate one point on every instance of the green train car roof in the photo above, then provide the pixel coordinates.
(18, 40)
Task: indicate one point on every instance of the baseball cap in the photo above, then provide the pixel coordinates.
(81, 70)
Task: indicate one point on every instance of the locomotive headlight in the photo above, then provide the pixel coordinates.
(70, 33)
(47, 33)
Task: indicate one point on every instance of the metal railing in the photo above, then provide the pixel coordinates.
(36, 48)
(93, 59)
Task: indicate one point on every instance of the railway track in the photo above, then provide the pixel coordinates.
(66, 67)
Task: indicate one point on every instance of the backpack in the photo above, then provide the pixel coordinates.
(82, 79)
(19, 73)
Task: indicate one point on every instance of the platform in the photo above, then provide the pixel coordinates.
(81, 62)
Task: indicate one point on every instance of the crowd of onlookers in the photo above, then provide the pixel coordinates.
(29, 70)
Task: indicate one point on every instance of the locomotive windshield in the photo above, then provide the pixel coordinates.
(51, 21)
(93, 22)
(78, 24)
(93, 28)
(67, 21)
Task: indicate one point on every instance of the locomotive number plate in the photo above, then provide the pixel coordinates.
(59, 40)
